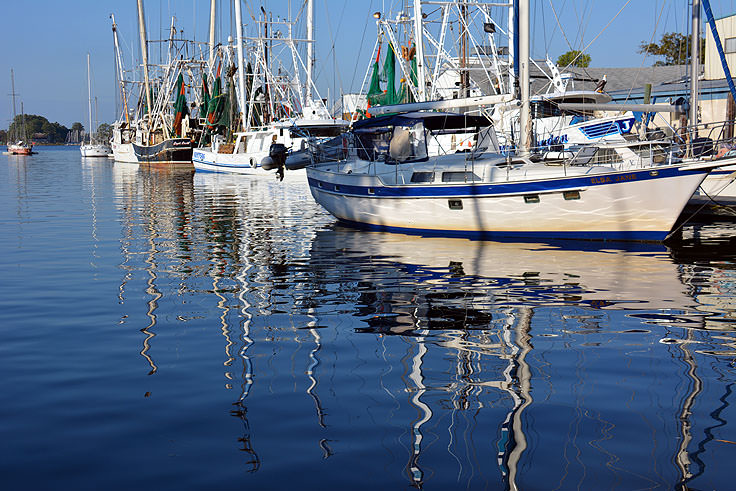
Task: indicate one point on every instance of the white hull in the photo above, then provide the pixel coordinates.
(721, 183)
(209, 161)
(240, 163)
(95, 150)
(615, 205)
(123, 152)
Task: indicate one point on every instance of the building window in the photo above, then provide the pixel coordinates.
(730, 45)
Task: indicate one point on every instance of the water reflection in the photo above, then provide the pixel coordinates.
(155, 206)
(560, 366)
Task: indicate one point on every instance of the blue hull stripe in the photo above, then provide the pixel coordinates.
(649, 236)
(517, 188)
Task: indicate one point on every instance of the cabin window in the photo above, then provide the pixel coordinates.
(373, 145)
(408, 143)
(455, 204)
(656, 153)
(455, 176)
(422, 177)
(606, 156)
(730, 45)
(531, 198)
(569, 195)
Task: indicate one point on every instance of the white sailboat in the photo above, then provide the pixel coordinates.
(92, 148)
(388, 180)
(123, 131)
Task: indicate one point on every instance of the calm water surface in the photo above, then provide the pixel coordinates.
(165, 329)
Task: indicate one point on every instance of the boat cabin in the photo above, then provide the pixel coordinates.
(414, 137)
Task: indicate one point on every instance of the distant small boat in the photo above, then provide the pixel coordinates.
(93, 148)
(20, 145)
(20, 148)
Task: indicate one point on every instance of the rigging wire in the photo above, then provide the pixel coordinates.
(596, 36)
(360, 50)
(654, 32)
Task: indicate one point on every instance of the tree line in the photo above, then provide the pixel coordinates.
(54, 132)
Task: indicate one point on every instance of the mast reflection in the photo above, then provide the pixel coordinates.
(155, 205)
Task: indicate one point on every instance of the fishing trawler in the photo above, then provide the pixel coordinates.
(272, 114)
(159, 130)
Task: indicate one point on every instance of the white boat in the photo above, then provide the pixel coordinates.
(387, 181)
(249, 153)
(121, 143)
(92, 148)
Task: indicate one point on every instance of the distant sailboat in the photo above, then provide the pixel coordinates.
(18, 143)
(92, 148)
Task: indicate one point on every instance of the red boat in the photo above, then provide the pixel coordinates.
(20, 148)
(21, 145)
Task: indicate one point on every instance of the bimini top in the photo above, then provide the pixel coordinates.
(431, 121)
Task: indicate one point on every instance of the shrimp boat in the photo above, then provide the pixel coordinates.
(275, 115)
(18, 143)
(160, 129)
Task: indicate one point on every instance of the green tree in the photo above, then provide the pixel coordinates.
(573, 57)
(77, 126)
(3, 136)
(104, 132)
(674, 48)
(38, 124)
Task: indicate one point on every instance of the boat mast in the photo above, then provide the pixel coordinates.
(12, 91)
(241, 69)
(419, 43)
(89, 102)
(512, 45)
(13, 94)
(144, 55)
(23, 123)
(694, 66)
(525, 127)
(310, 49)
(119, 62)
(213, 14)
(463, 27)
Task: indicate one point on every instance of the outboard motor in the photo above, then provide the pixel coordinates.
(276, 159)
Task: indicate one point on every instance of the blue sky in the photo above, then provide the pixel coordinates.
(46, 41)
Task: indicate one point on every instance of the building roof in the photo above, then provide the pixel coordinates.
(627, 78)
(617, 79)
